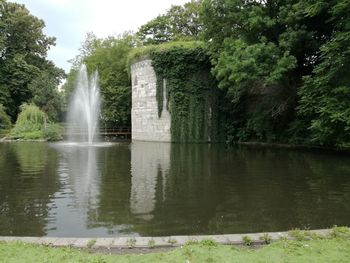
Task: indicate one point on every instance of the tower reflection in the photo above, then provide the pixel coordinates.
(148, 161)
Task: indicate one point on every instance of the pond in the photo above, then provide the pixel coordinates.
(157, 189)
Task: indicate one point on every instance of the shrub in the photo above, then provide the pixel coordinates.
(247, 240)
(32, 124)
(5, 122)
(53, 132)
(299, 235)
(266, 238)
(208, 243)
(340, 232)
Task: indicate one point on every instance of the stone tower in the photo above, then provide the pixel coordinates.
(146, 125)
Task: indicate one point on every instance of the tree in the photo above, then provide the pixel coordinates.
(156, 31)
(109, 57)
(23, 50)
(33, 124)
(325, 96)
(179, 23)
(185, 21)
(45, 94)
(89, 45)
(260, 52)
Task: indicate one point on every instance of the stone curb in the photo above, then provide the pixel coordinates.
(151, 242)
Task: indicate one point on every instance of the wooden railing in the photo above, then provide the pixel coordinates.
(106, 131)
(115, 130)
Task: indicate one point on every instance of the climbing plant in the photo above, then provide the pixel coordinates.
(185, 83)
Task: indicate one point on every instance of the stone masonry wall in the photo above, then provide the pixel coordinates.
(146, 125)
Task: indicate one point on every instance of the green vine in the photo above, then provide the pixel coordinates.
(192, 96)
(191, 92)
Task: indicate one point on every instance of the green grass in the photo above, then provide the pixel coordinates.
(333, 249)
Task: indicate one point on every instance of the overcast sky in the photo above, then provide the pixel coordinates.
(69, 20)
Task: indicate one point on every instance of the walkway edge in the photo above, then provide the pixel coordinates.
(152, 242)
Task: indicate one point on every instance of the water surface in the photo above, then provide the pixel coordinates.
(156, 189)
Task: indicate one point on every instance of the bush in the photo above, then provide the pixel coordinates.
(5, 122)
(32, 124)
(53, 132)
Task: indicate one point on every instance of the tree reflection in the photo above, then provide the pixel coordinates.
(27, 182)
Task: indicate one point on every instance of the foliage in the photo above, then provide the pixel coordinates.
(325, 250)
(208, 243)
(261, 51)
(325, 96)
(179, 23)
(190, 92)
(5, 122)
(91, 243)
(156, 31)
(266, 238)
(299, 235)
(146, 51)
(23, 50)
(131, 242)
(340, 232)
(32, 124)
(53, 132)
(68, 87)
(247, 241)
(172, 241)
(46, 95)
(90, 44)
(109, 57)
(30, 118)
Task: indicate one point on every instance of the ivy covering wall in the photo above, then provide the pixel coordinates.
(183, 76)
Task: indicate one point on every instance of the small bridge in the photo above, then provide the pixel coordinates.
(120, 132)
(123, 131)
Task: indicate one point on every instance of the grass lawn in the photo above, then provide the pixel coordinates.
(332, 249)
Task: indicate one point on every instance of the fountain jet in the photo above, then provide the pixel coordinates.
(84, 109)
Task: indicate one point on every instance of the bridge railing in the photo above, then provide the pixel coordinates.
(120, 130)
(102, 130)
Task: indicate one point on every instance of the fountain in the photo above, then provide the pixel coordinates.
(84, 109)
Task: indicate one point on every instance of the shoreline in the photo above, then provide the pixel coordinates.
(251, 144)
(292, 146)
(108, 243)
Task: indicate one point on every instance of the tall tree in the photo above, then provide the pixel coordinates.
(23, 50)
(109, 57)
(325, 97)
(179, 23)
(45, 93)
(261, 50)
(88, 47)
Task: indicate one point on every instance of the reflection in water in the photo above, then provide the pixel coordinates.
(148, 161)
(151, 189)
(80, 179)
(27, 183)
(32, 159)
(210, 189)
(81, 165)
